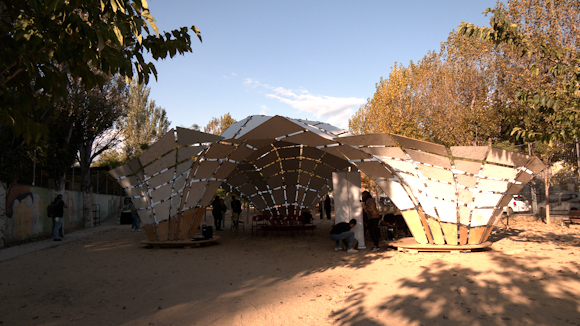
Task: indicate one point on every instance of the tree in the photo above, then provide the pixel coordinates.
(143, 122)
(98, 109)
(218, 125)
(39, 37)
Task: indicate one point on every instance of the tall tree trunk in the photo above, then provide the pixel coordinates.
(3, 217)
(85, 162)
(547, 187)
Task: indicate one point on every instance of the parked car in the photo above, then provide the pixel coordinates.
(518, 204)
(561, 203)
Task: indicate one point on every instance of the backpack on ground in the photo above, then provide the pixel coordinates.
(207, 231)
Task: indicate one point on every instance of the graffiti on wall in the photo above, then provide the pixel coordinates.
(26, 210)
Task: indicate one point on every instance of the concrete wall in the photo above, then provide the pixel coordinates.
(26, 211)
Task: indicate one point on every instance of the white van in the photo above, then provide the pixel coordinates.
(561, 203)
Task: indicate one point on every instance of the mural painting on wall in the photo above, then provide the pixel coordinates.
(283, 166)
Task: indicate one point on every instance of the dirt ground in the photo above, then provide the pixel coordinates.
(528, 277)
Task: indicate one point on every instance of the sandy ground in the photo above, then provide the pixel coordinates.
(528, 277)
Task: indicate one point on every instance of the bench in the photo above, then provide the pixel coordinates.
(574, 216)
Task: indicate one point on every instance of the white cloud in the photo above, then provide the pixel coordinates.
(231, 75)
(263, 110)
(334, 110)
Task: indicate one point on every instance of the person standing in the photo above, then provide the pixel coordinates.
(370, 208)
(327, 206)
(236, 210)
(342, 231)
(216, 211)
(135, 217)
(58, 207)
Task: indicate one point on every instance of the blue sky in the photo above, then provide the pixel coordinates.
(317, 60)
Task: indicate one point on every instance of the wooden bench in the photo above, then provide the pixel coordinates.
(574, 216)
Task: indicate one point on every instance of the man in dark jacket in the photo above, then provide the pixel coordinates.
(58, 207)
(236, 210)
(341, 231)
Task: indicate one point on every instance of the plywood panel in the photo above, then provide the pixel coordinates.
(476, 235)
(267, 159)
(272, 128)
(524, 177)
(161, 211)
(486, 234)
(290, 165)
(184, 153)
(275, 181)
(435, 173)
(224, 170)
(466, 166)
(136, 191)
(504, 157)
(428, 158)
(161, 178)
(463, 232)
(311, 199)
(121, 171)
(465, 196)
(470, 152)
(194, 193)
(390, 152)
(307, 165)
(423, 219)
(415, 226)
(183, 167)
(397, 193)
(142, 202)
(420, 145)
(481, 216)
(128, 182)
(271, 169)
(160, 147)
(495, 171)
(189, 136)
(238, 180)
(291, 194)
(289, 152)
(145, 216)
(162, 193)
(212, 187)
(309, 138)
(514, 189)
(184, 223)
(492, 185)
(441, 190)
(450, 233)
(162, 230)
(436, 231)
(278, 197)
(324, 171)
(178, 184)
(206, 169)
(199, 213)
(486, 200)
(446, 210)
(467, 181)
(368, 139)
(166, 161)
(535, 165)
(427, 203)
(219, 151)
(291, 178)
(150, 232)
(172, 229)
(258, 202)
(353, 153)
(374, 170)
(401, 166)
(240, 153)
(505, 200)
(464, 215)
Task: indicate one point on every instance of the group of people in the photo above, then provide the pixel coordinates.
(342, 231)
(219, 209)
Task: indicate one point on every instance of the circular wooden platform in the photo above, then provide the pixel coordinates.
(410, 245)
(179, 243)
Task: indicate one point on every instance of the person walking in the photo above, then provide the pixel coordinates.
(58, 207)
(216, 211)
(327, 206)
(236, 210)
(370, 208)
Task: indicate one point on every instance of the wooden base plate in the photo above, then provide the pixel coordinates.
(410, 245)
(179, 243)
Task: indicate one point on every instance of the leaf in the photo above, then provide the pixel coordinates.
(118, 34)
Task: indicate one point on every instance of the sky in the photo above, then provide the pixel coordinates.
(317, 60)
